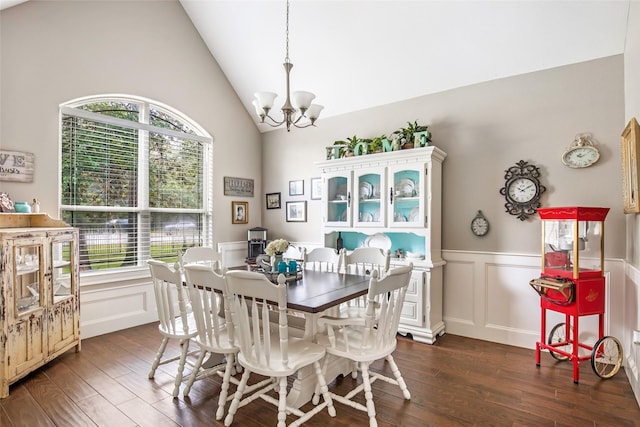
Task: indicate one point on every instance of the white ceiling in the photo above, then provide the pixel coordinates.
(363, 53)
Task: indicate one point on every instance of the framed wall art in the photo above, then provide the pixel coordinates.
(296, 188)
(239, 212)
(297, 211)
(273, 200)
(316, 188)
(630, 181)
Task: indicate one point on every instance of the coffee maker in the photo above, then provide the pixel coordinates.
(256, 242)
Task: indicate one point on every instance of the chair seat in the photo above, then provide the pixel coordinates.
(355, 351)
(178, 331)
(222, 345)
(301, 353)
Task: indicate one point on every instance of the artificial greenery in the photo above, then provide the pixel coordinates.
(405, 137)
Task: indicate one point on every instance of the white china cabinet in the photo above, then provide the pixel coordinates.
(393, 200)
(40, 313)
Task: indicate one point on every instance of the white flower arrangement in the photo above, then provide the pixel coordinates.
(276, 247)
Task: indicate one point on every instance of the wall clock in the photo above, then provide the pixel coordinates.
(522, 190)
(479, 225)
(581, 153)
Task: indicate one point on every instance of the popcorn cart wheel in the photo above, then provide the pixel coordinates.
(558, 339)
(606, 355)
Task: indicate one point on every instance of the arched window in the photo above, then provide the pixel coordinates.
(135, 179)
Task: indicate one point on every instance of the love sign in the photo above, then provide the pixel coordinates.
(16, 166)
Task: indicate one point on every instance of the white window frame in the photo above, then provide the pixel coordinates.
(145, 104)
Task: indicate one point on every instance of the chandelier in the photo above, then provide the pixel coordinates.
(302, 100)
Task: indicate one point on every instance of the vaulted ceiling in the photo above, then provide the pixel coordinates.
(363, 53)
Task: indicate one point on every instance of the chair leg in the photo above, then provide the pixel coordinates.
(236, 398)
(224, 389)
(322, 385)
(194, 372)
(371, 409)
(398, 377)
(184, 344)
(282, 402)
(156, 361)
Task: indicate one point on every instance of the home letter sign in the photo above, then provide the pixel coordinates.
(16, 166)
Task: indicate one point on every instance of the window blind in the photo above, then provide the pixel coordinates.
(134, 190)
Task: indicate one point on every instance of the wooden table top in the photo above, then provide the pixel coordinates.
(318, 291)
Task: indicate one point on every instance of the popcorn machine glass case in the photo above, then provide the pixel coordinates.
(567, 235)
(571, 285)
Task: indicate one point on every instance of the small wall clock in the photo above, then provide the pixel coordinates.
(522, 190)
(479, 225)
(581, 153)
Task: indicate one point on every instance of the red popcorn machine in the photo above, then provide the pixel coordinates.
(572, 283)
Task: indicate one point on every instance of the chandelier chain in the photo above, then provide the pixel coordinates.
(286, 58)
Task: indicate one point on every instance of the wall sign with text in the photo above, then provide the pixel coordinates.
(16, 166)
(238, 187)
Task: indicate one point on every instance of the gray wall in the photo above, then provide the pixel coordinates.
(52, 52)
(484, 129)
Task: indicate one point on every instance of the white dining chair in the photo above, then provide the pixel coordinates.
(365, 340)
(215, 331)
(267, 349)
(176, 321)
(200, 255)
(363, 262)
(322, 259)
(294, 253)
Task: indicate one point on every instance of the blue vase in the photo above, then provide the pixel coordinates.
(22, 207)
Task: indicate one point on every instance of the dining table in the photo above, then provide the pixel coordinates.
(313, 294)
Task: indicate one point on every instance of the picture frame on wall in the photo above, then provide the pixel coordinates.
(316, 188)
(296, 188)
(297, 211)
(273, 200)
(630, 142)
(239, 212)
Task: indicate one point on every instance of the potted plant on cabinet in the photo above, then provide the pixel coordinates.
(406, 135)
(375, 146)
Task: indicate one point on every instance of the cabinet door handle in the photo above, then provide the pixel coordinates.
(391, 195)
(349, 199)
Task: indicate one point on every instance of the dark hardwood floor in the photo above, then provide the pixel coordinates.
(456, 382)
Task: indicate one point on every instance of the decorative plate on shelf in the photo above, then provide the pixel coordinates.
(366, 190)
(376, 191)
(405, 188)
(413, 214)
(378, 240)
(341, 192)
(366, 217)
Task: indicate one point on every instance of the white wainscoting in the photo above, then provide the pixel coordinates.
(115, 305)
(487, 296)
(632, 323)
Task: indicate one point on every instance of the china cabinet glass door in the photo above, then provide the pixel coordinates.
(369, 204)
(28, 277)
(339, 199)
(62, 279)
(407, 186)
